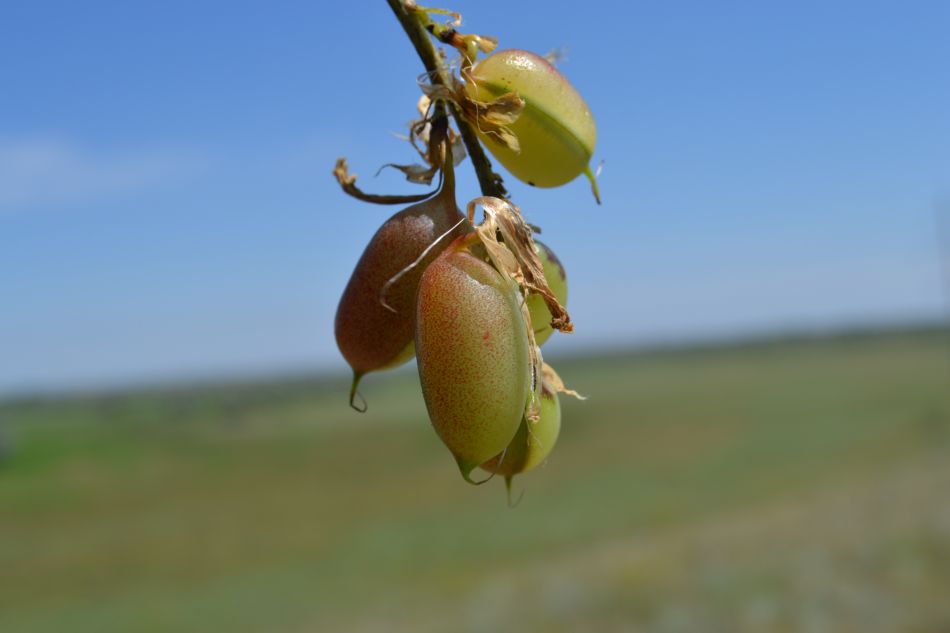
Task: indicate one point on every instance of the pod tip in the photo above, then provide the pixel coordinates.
(517, 502)
(593, 183)
(354, 394)
(466, 469)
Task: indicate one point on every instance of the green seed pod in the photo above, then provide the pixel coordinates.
(370, 336)
(557, 281)
(532, 443)
(472, 352)
(555, 131)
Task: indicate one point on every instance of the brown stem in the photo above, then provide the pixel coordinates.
(488, 180)
(348, 183)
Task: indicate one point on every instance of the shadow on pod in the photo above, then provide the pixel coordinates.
(557, 281)
(556, 131)
(472, 353)
(532, 443)
(371, 336)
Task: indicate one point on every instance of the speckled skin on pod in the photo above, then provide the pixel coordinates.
(369, 336)
(532, 443)
(472, 352)
(556, 130)
(557, 281)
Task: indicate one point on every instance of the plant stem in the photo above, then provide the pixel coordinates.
(489, 182)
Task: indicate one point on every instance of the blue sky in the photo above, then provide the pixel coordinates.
(167, 209)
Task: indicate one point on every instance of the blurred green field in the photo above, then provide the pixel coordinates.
(799, 485)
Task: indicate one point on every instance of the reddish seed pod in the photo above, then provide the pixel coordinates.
(370, 336)
(472, 352)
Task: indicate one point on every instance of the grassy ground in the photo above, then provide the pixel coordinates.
(794, 486)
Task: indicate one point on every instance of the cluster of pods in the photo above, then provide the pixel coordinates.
(428, 286)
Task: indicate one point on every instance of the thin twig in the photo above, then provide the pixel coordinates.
(488, 180)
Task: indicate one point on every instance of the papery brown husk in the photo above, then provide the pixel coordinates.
(508, 240)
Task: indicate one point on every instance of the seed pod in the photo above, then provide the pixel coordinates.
(557, 280)
(371, 336)
(532, 443)
(472, 352)
(555, 131)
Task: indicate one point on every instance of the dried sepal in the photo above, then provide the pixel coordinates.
(553, 382)
(421, 128)
(501, 216)
(493, 118)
